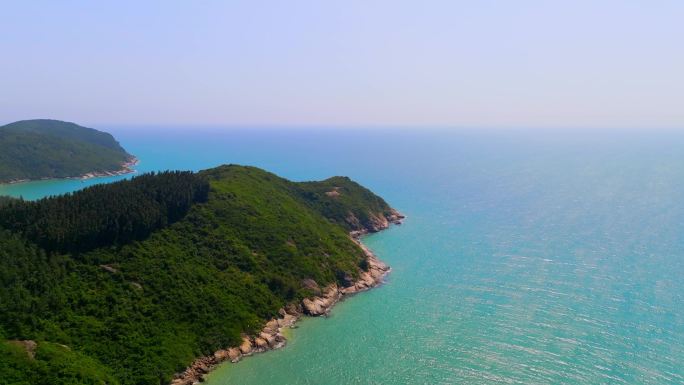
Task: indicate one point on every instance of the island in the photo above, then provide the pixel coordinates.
(46, 149)
(157, 279)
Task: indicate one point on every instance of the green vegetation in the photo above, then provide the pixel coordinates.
(344, 201)
(5, 200)
(220, 252)
(50, 364)
(35, 149)
(106, 215)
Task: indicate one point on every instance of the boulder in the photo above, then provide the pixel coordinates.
(312, 307)
(234, 354)
(287, 321)
(246, 346)
(349, 290)
(261, 343)
(271, 326)
(221, 355)
(294, 308)
(269, 338)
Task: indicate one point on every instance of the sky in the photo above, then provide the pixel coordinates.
(352, 63)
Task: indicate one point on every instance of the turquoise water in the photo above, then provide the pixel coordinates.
(525, 259)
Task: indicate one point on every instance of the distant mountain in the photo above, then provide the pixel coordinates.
(127, 283)
(42, 148)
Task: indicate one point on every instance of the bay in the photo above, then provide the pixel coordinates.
(526, 258)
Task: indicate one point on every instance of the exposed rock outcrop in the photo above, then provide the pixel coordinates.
(270, 337)
(29, 345)
(334, 193)
(321, 305)
(378, 222)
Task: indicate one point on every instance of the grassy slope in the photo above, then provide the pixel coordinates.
(189, 288)
(34, 149)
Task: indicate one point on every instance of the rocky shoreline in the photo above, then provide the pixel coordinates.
(271, 336)
(126, 168)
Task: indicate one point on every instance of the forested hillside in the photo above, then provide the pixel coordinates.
(41, 148)
(126, 283)
(106, 215)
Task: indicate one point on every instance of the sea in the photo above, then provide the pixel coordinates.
(527, 256)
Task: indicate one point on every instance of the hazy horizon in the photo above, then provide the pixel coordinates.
(475, 129)
(612, 65)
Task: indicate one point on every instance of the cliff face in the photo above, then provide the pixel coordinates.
(219, 281)
(377, 221)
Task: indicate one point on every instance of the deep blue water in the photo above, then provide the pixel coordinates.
(526, 258)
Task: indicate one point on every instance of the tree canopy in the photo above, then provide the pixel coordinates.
(126, 283)
(42, 148)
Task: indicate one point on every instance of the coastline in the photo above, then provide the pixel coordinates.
(271, 335)
(126, 168)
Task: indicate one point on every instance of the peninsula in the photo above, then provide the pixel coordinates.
(47, 149)
(156, 279)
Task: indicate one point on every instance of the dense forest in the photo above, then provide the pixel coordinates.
(42, 148)
(140, 277)
(106, 215)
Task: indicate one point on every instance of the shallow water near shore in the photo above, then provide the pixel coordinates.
(525, 259)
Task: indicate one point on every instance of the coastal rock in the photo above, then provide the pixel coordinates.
(294, 308)
(312, 307)
(396, 217)
(317, 306)
(378, 222)
(261, 343)
(287, 321)
(271, 327)
(269, 338)
(234, 354)
(368, 279)
(246, 346)
(221, 355)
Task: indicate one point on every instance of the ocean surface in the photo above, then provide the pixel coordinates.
(526, 258)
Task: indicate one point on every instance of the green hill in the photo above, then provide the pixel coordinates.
(41, 148)
(137, 278)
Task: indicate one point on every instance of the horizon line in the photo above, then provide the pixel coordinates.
(366, 126)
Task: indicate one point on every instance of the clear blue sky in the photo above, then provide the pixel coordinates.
(598, 63)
